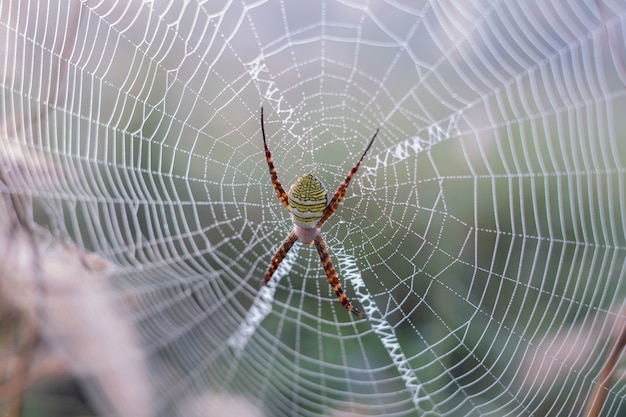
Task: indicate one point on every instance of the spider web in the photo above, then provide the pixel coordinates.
(483, 236)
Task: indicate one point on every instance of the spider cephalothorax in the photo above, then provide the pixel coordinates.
(307, 202)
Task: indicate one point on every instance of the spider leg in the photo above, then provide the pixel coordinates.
(332, 276)
(279, 256)
(280, 192)
(341, 191)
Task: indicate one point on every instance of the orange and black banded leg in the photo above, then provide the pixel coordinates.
(280, 191)
(341, 191)
(279, 256)
(332, 276)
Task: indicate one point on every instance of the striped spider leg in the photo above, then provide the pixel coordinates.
(307, 202)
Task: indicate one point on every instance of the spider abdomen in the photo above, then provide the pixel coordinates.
(307, 201)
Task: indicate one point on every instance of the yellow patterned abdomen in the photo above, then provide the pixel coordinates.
(307, 201)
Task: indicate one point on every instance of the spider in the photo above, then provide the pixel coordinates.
(307, 202)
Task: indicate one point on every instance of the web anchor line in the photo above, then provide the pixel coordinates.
(385, 332)
(261, 307)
